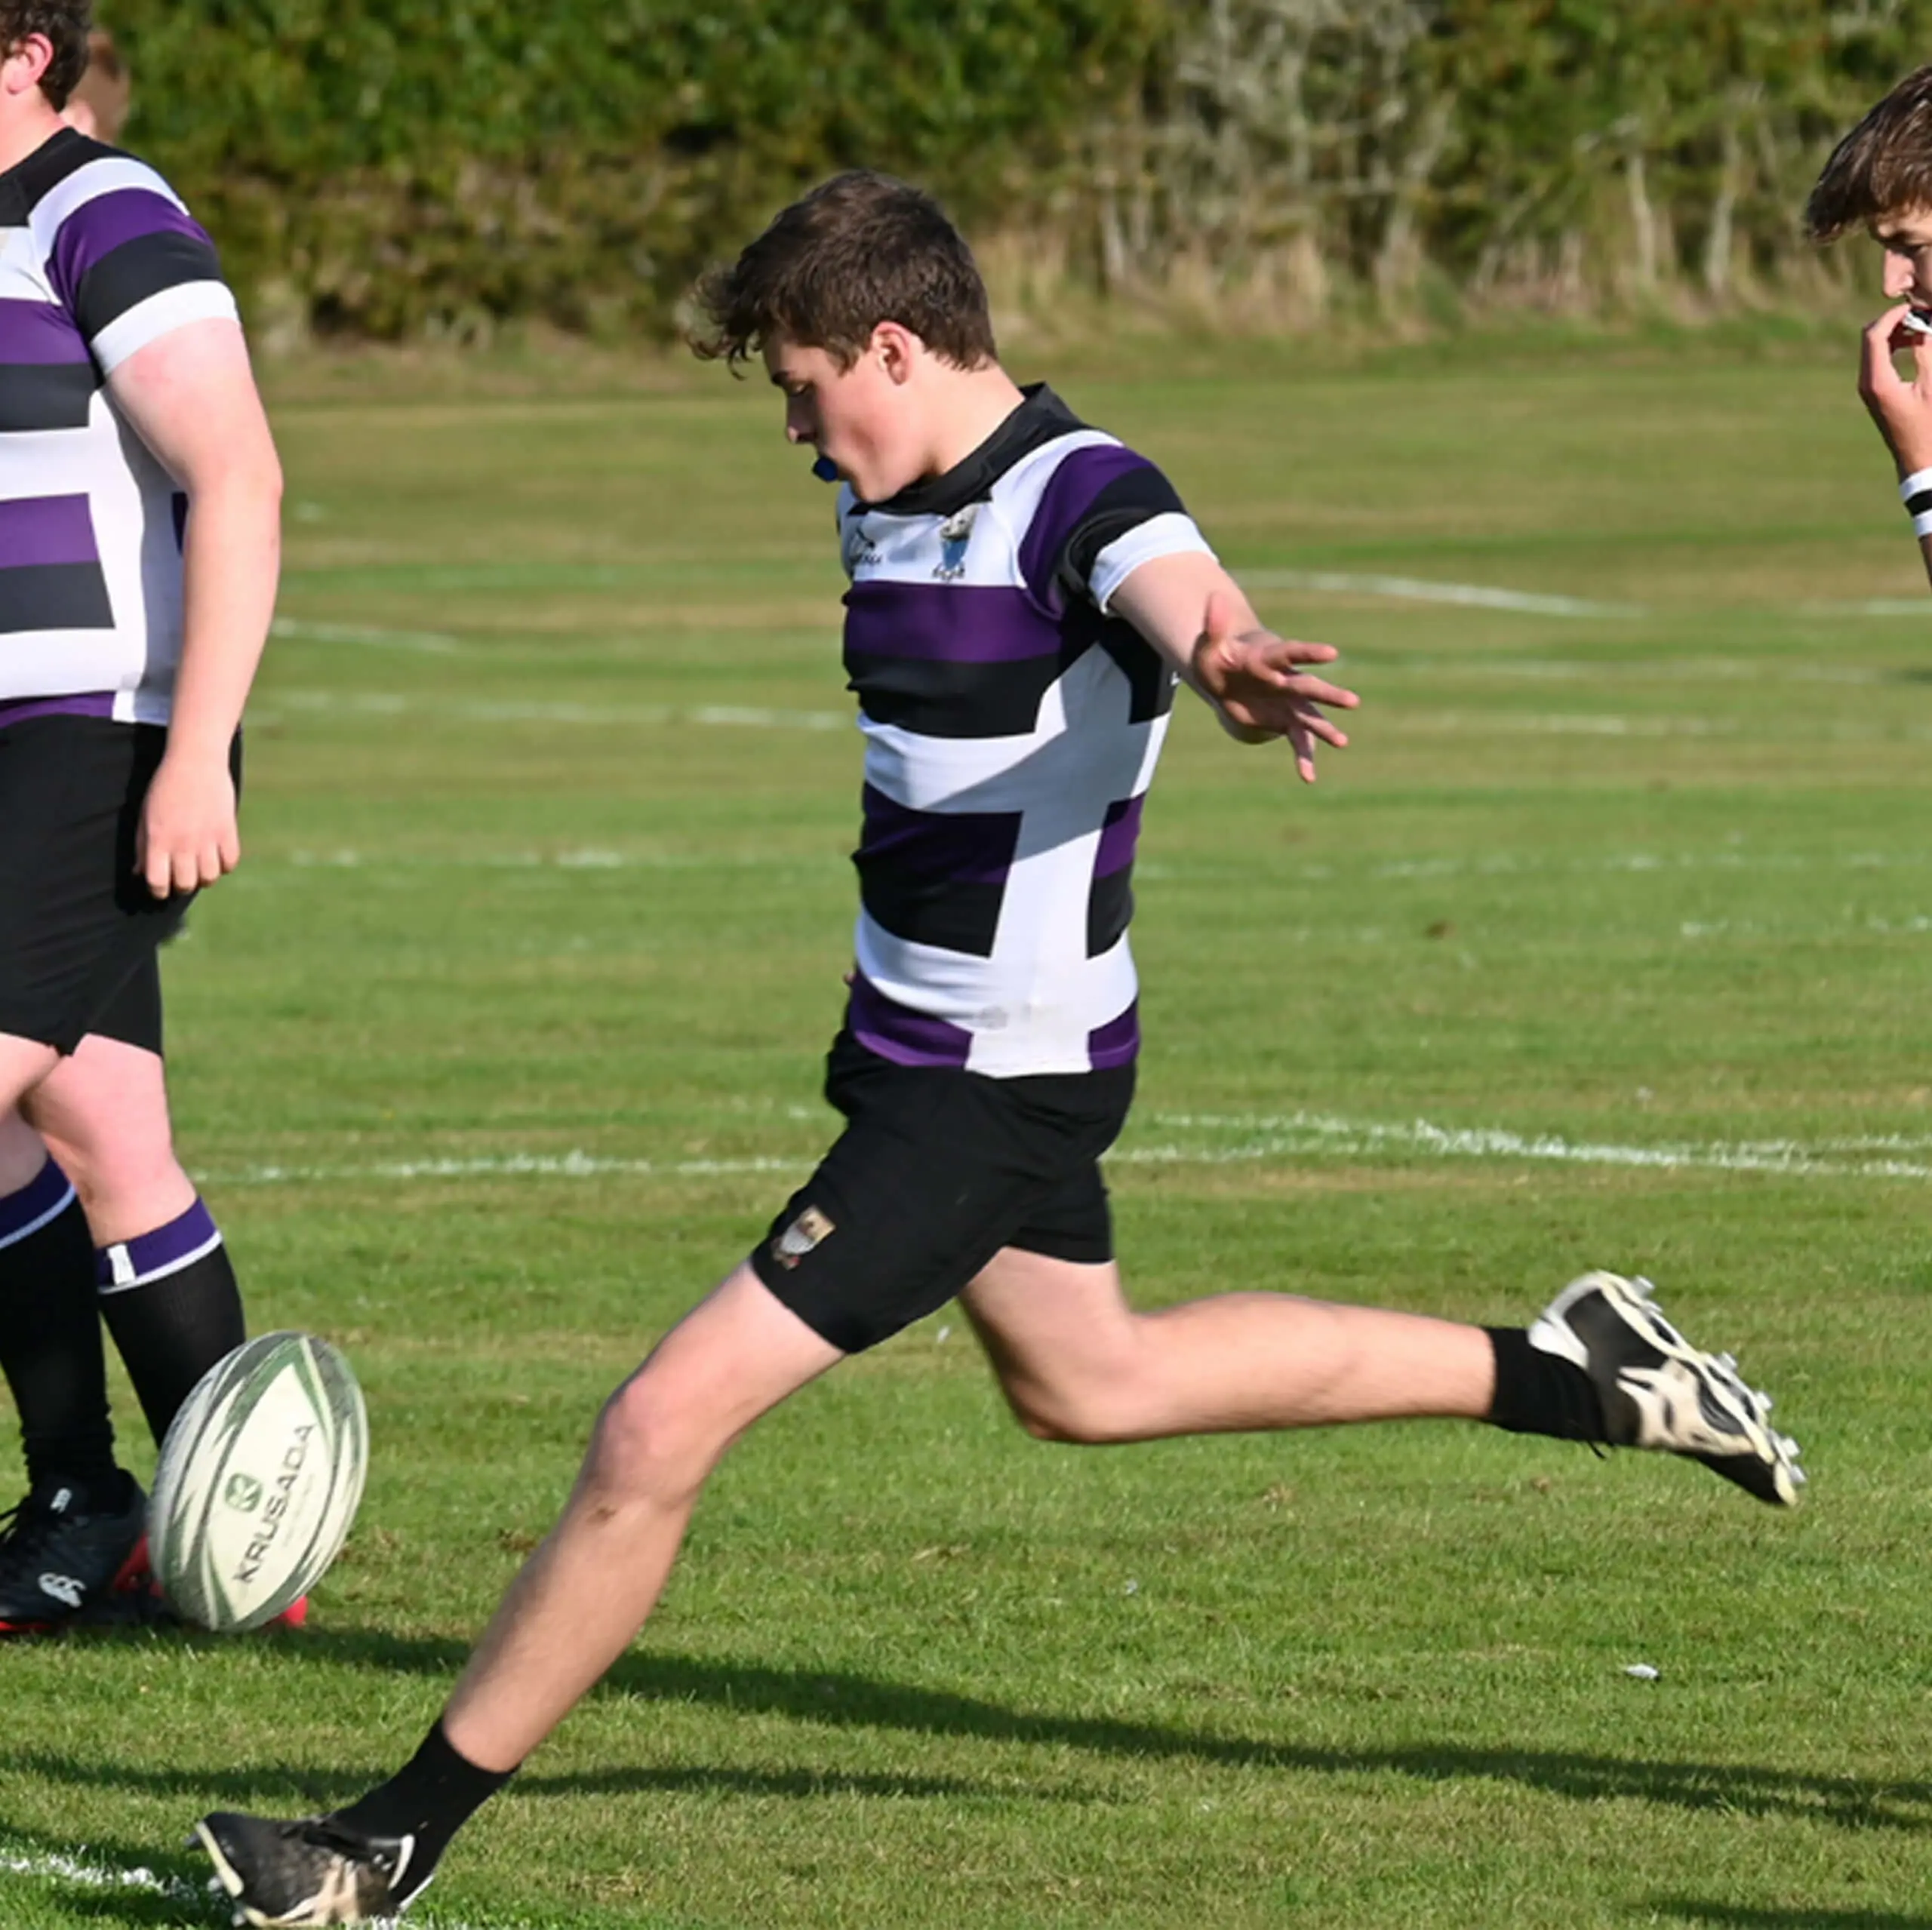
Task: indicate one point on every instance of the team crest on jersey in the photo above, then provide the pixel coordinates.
(811, 1229)
(954, 536)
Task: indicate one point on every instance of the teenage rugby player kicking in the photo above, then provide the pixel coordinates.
(1026, 593)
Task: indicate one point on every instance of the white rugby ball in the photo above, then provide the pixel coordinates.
(258, 1481)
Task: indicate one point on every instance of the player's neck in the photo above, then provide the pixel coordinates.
(976, 401)
(26, 124)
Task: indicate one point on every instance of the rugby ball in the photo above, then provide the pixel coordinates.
(258, 1481)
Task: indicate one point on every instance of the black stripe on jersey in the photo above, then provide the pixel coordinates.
(939, 700)
(941, 911)
(54, 596)
(137, 269)
(1109, 909)
(46, 395)
(1150, 683)
(25, 185)
(1124, 504)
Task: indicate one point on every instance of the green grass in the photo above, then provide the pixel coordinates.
(1610, 883)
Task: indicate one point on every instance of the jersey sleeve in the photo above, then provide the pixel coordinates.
(1106, 511)
(128, 262)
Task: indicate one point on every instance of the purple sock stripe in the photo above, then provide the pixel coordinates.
(1116, 1042)
(152, 1256)
(896, 1032)
(43, 1199)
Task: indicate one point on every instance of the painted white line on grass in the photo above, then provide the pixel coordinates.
(432, 641)
(1533, 723)
(54, 1867)
(1416, 589)
(377, 703)
(1307, 1132)
(1265, 1138)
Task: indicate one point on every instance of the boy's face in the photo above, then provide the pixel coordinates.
(858, 419)
(1906, 238)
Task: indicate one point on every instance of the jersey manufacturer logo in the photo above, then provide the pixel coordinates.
(64, 1589)
(859, 548)
(955, 535)
(809, 1230)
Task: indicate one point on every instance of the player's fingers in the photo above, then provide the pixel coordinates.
(1315, 689)
(1294, 650)
(1876, 373)
(1303, 747)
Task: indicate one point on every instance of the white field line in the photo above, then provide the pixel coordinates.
(1263, 1139)
(1416, 589)
(1582, 724)
(432, 641)
(56, 1868)
(478, 711)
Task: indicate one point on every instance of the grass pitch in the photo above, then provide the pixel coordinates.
(1606, 943)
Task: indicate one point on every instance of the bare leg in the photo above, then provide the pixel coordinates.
(582, 1596)
(1078, 1364)
(103, 1114)
(24, 1063)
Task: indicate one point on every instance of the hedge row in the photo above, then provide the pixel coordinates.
(389, 168)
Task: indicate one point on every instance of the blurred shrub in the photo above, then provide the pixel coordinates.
(397, 166)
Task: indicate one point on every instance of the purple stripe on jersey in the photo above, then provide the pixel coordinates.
(1119, 833)
(46, 529)
(43, 1198)
(964, 847)
(96, 227)
(21, 710)
(37, 335)
(896, 1032)
(1079, 477)
(946, 623)
(154, 1255)
(1116, 1042)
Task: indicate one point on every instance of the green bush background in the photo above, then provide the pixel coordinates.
(398, 167)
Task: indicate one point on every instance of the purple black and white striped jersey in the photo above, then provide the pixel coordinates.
(1012, 727)
(98, 258)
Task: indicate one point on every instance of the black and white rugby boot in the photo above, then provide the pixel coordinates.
(1659, 1392)
(311, 1872)
(62, 1552)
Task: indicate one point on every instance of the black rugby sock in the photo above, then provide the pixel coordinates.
(171, 1301)
(430, 1799)
(50, 1341)
(1542, 1393)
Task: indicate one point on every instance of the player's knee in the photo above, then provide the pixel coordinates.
(1081, 1413)
(647, 1442)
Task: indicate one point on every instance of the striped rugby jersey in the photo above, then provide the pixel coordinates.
(1012, 727)
(98, 258)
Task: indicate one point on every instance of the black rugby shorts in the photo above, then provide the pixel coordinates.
(935, 1171)
(78, 927)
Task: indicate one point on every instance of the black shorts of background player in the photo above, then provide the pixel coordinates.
(117, 794)
(1879, 178)
(1026, 592)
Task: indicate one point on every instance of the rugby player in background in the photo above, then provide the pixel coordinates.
(140, 540)
(1026, 594)
(1879, 178)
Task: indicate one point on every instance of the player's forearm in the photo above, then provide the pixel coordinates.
(231, 563)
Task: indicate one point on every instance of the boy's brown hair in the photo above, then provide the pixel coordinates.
(1883, 166)
(106, 89)
(65, 22)
(861, 249)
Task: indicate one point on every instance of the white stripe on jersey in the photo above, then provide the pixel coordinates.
(162, 314)
(1158, 537)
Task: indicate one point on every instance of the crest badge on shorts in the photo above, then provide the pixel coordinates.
(809, 1230)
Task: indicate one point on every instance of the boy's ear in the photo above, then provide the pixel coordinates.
(896, 348)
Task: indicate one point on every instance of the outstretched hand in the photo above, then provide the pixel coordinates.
(1901, 406)
(1261, 687)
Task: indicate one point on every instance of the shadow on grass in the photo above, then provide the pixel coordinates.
(122, 1883)
(847, 1700)
(1735, 1916)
